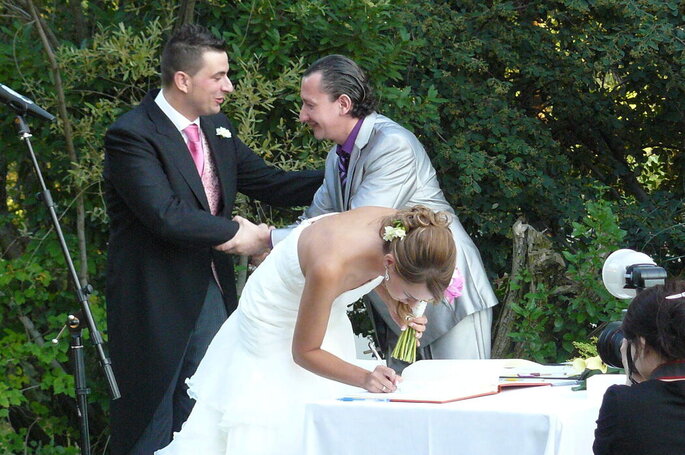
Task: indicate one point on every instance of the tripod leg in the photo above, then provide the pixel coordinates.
(82, 390)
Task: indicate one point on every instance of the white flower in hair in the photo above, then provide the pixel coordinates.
(223, 132)
(394, 232)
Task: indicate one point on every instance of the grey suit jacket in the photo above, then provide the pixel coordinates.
(390, 168)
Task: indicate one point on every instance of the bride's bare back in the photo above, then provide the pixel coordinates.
(349, 242)
(341, 252)
(337, 253)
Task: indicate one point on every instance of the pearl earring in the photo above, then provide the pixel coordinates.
(386, 277)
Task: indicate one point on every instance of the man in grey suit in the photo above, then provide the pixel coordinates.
(378, 162)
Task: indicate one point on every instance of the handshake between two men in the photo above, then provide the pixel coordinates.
(250, 240)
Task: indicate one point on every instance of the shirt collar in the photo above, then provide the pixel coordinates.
(178, 119)
(670, 370)
(348, 146)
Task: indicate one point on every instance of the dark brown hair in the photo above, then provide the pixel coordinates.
(659, 320)
(340, 75)
(184, 51)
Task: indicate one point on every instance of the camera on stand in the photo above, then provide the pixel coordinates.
(625, 273)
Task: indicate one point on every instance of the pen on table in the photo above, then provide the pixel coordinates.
(363, 399)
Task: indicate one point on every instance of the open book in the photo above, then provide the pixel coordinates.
(444, 381)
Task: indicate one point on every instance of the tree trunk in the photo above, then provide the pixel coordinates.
(80, 26)
(532, 253)
(69, 138)
(503, 345)
(186, 14)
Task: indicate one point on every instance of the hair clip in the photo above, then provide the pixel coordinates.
(676, 296)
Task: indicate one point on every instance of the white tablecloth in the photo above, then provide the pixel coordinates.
(531, 421)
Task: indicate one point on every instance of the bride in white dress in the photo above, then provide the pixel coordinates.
(290, 341)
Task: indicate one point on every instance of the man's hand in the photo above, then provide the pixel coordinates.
(250, 240)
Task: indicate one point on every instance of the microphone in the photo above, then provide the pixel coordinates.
(23, 105)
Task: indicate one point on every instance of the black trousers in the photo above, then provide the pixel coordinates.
(176, 405)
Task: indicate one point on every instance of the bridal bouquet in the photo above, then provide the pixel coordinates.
(405, 349)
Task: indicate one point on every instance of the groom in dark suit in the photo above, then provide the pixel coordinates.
(173, 166)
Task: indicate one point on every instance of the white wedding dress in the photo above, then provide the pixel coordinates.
(250, 395)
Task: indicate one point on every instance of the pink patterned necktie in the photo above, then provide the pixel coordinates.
(195, 146)
(210, 179)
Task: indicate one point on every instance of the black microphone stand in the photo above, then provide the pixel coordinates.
(74, 322)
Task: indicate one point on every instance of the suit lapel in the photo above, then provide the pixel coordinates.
(176, 149)
(356, 158)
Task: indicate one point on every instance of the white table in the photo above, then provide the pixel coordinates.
(531, 421)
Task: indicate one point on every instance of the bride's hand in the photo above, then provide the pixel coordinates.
(382, 380)
(418, 324)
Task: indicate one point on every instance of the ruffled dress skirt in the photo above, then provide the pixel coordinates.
(250, 395)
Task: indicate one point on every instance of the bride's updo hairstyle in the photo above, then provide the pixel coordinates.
(427, 253)
(658, 315)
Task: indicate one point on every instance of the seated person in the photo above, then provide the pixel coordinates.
(648, 417)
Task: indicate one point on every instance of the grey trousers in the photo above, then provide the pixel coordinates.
(176, 405)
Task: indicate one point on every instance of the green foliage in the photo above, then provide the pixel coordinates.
(373, 32)
(360, 321)
(108, 56)
(545, 97)
(534, 315)
(102, 77)
(252, 108)
(552, 320)
(567, 112)
(271, 42)
(37, 386)
(586, 349)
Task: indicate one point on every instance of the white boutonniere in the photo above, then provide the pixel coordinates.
(223, 132)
